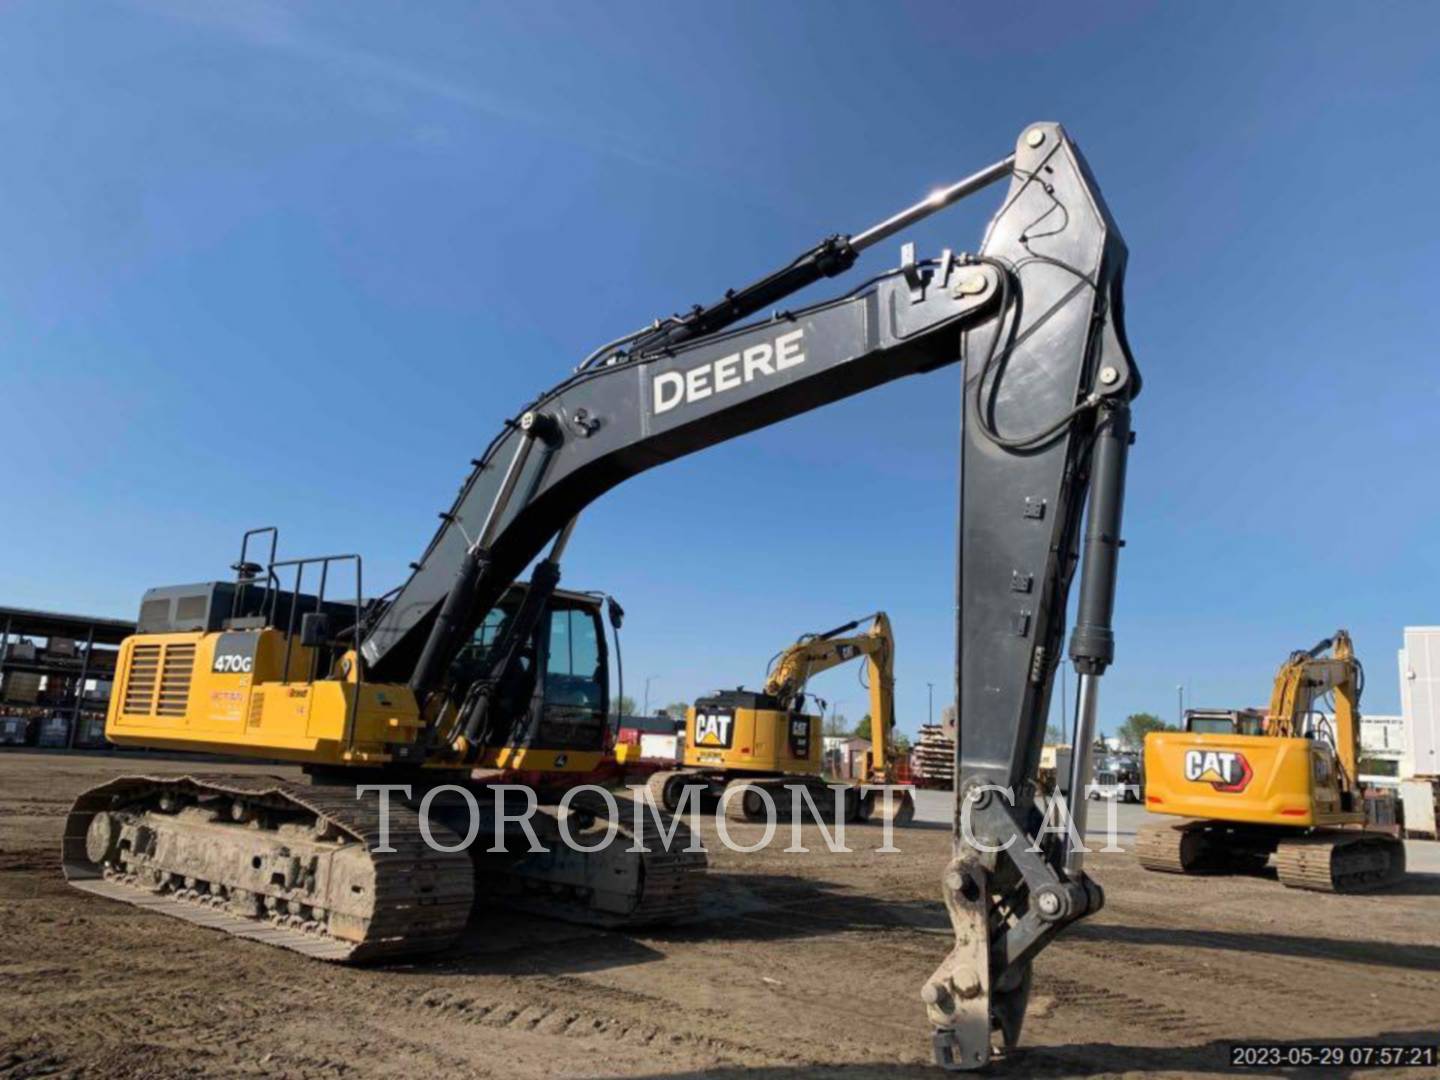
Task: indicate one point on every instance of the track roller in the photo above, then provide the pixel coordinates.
(1341, 862)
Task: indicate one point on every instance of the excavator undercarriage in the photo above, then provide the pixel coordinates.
(1330, 860)
(311, 868)
(273, 861)
(758, 798)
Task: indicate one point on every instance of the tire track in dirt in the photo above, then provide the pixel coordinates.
(1132, 1010)
(1398, 997)
(1358, 959)
(1094, 998)
(811, 964)
(1390, 1002)
(567, 1008)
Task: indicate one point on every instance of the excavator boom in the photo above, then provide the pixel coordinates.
(1037, 316)
(815, 654)
(1305, 678)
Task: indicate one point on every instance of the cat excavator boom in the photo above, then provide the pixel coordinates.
(815, 654)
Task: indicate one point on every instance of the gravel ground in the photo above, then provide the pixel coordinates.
(804, 964)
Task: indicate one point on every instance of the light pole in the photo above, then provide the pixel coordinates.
(645, 710)
(1180, 707)
(931, 685)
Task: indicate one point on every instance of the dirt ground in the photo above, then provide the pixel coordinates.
(807, 964)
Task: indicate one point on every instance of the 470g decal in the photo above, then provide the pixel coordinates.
(1224, 770)
(234, 654)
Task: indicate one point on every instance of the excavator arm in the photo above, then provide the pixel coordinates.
(1304, 678)
(814, 654)
(817, 653)
(1037, 317)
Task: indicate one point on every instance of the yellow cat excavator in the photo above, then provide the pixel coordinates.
(1291, 789)
(413, 695)
(743, 747)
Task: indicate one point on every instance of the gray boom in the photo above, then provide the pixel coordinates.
(1037, 316)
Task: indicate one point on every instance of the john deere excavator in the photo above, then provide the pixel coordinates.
(1291, 790)
(373, 695)
(742, 747)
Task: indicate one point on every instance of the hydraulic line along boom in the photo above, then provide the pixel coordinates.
(1037, 315)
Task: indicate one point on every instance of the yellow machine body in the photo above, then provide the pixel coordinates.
(1246, 788)
(727, 735)
(1256, 779)
(767, 732)
(230, 692)
(1282, 777)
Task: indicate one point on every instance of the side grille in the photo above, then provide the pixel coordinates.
(140, 686)
(175, 680)
(159, 680)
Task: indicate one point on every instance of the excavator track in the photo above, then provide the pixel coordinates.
(663, 787)
(744, 800)
(1193, 846)
(1171, 848)
(615, 886)
(1341, 862)
(303, 866)
(297, 866)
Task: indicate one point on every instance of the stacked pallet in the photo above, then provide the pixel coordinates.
(933, 759)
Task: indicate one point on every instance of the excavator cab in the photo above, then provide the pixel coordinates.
(1225, 721)
(557, 699)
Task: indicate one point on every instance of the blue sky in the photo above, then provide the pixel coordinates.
(294, 264)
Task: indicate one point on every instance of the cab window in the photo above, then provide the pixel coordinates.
(572, 674)
(478, 653)
(1212, 725)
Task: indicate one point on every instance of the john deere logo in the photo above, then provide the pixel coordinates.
(1224, 770)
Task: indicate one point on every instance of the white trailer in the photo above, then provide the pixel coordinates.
(1420, 702)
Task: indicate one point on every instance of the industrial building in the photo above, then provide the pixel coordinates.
(55, 676)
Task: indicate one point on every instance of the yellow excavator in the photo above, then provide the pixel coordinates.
(1290, 789)
(742, 747)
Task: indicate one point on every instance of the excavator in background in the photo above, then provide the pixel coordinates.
(742, 747)
(370, 698)
(1287, 787)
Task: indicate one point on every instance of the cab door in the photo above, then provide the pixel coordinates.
(576, 696)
